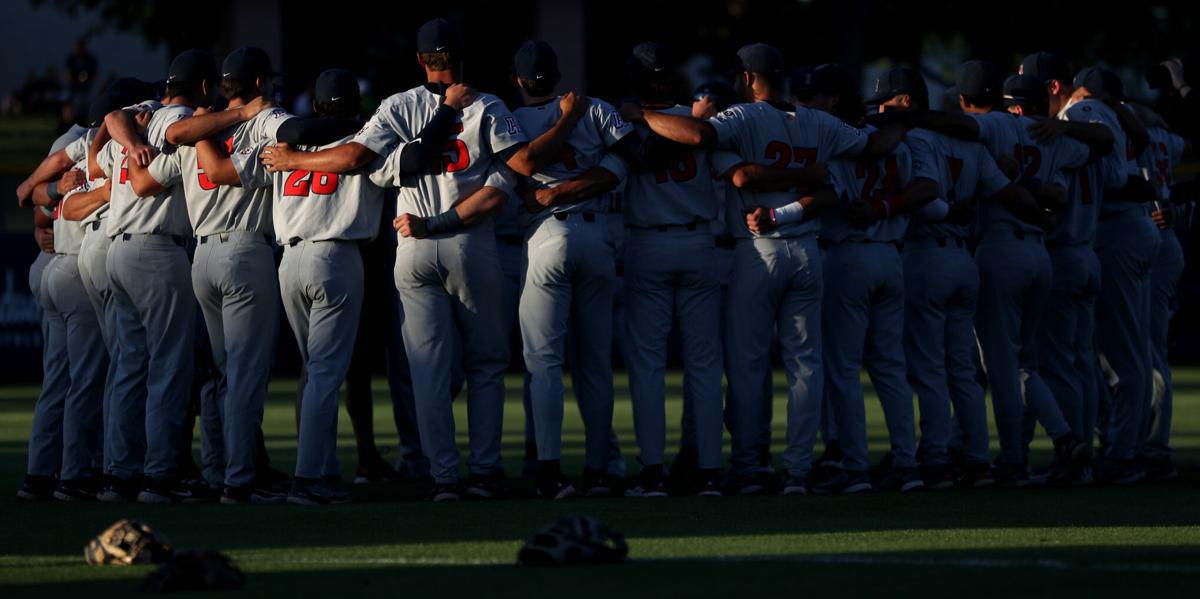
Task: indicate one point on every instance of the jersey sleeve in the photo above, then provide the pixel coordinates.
(614, 165)
(77, 150)
(924, 158)
(1070, 153)
(385, 171)
(609, 122)
(378, 134)
(156, 131)
(904, 166)
(991, 178)
(250, 170)
(166, 169)
(988, 127)
(728, 125)
(501, 129)
(104, 158)
(844, 140)
(722, 161)
(267, 129)
(1175, 147)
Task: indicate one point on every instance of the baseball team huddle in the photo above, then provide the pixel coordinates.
(944, 252)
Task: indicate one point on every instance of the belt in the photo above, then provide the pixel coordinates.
(952, 241)
(588, 217)
(664, 228)
(179, 240)
(224, 237)
(94, 225)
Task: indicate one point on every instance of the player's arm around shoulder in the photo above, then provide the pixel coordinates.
(547, 147)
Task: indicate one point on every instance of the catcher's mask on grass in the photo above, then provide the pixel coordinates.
(574, 540)
(127, 542)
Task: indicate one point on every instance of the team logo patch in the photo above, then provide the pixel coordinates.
(513, 126)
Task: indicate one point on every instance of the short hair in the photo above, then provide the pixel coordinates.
(775, 80)
(438, 61)
(343, 108)
(239, 88)
(982, 100)
(190, 89)
(538, 87)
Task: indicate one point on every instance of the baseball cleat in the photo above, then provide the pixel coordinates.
(903, 480)
(1111, 471)
(555, 486)
(1012, 476)
(744, 483)
(977, 476)
(794, 486)
(708, 483)
(442, 493)
(164, 491)
(939, 478)
(312, 492)
(596, 483)
(116, 490)
(686, 465)
(844, 482)
(248, 495)
(36, 488)
(275, 480)
(650, 483)
(374, 471)
(1159, 470)
(490, 486)
(76, 490)
(1070, 456)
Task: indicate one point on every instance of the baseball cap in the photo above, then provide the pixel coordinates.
(1098, 80)
(652, 57)
(1024, 90)
(535, 60)
(759, 58)
(896, 81)
(437, 35)
(105, 103)
(720, 91)
(1046, 67)
(335, 84)
(247, 62)
(978, 78)
(192, 66)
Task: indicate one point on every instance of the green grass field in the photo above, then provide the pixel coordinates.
(1066, 542)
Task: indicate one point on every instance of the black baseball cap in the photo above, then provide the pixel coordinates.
(759, 58)
(105, 103)
(1100, 80)
(535, 60)
(1025, 90)
(978, 78)
(336, 84)
(192, 66)
(652, 57)
(720, 91)
(899, 80)
(438, 35)
(1046, 67)
(247, 63)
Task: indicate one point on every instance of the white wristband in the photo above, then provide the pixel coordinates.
(790, 213)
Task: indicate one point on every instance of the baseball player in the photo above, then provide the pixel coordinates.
(45, 440)
(446, 267)
(864, 287)
(152, 299)
(1157, 163)
(942, 286)
(777, 279)
(233, 269)
(569, 269)
(1127, 243)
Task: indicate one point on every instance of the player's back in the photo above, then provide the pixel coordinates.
(1116, 167)
(164, 213)
(316, 206)
(680, 194)
(869, 180)
(965, 171)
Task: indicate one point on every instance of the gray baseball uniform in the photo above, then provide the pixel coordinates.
(568, 284)
(451, 284)
(320, 218)
(234, 280)
(154, 315)
(671, 277)
(777, 282)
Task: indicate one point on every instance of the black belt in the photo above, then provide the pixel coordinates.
(726, 242)
(828, 243)
(225, 237)
(179, 241)
(588, 217)
(511, 239)
(954, 239)
(664, 228)
(95, 225)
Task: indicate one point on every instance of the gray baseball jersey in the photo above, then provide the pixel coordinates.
(965, 170)
(586, 147)
(761, 133)
(1119, 164)
(484, 128)
(872, 181)
(682, 194)
(165, 213)
(216, 208)
(1157, 162)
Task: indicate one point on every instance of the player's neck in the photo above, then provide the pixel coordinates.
(446, 77)
(971, 109)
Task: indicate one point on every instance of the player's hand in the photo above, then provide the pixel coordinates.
(44, 238)
(759, 221)
(632, 112)
(1046, 130)
(1175, 68)
(142, 154)
(863, 214)
(537, 200)
(573, 105)
(278, 158)
(25, 194)
(255, 106)
(460, 96)
(1009, 166)
(201, 110)
(1163, 217)
(409, 225)
(71, 179)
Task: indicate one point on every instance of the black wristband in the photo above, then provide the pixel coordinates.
(444, 223)
(52, 192)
